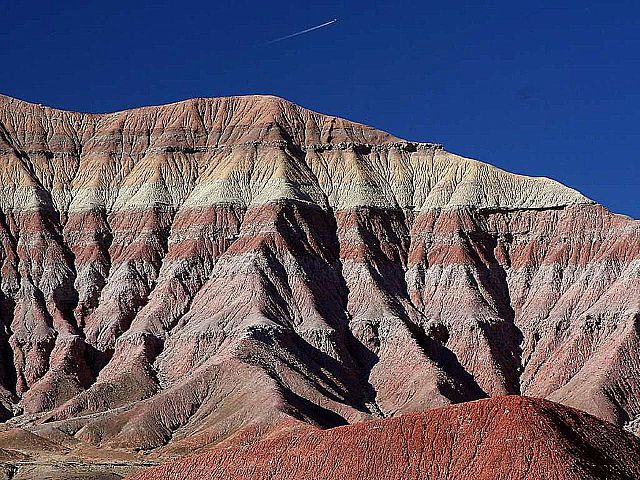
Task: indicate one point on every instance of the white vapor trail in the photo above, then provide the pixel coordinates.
(302, 32)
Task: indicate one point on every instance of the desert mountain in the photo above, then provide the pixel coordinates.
(171, 276)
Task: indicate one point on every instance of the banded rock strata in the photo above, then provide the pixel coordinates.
(172, 276)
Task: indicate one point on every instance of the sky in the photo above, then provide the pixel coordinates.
(538, 88)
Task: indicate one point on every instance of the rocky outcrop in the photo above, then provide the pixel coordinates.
(504, 437)
(173, 275)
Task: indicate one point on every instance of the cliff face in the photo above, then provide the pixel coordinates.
(510, 438)
(171, 275)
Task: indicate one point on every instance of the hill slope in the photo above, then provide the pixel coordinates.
(504, 437)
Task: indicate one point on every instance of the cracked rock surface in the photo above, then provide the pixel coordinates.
(178, 276)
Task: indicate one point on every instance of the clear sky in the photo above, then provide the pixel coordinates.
(540, 88)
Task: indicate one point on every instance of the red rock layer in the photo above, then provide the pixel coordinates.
(504, 437)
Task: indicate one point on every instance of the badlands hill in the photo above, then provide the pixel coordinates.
(174, 276)
(506, 438)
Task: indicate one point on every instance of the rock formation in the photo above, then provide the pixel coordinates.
(510, 438)
(173, 275)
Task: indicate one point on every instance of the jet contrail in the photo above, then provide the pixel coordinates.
(302, 32)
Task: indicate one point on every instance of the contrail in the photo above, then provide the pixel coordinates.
(302, 32)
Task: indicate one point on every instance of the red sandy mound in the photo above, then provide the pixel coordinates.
(501, 438)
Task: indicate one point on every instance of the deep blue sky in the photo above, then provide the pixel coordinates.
(541, 88)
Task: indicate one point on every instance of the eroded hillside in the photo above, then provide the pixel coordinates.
(173, 275)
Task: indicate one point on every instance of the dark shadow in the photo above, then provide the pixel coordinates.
(8, 372)
(323, 417)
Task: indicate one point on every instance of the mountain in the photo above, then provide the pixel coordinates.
(173, 276)
(510, 438)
